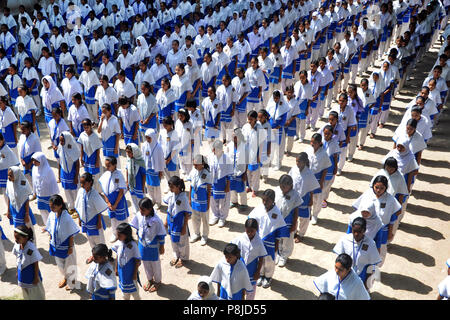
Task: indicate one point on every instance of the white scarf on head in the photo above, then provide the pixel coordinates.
(192, 71)
(133, 164)
(211, 295)
(373, 222)
(69, 153)
(385, 206)
(7, 157)
(44, 181)
(396, 182)
(19, 189)
(50, 95)
(405, 160)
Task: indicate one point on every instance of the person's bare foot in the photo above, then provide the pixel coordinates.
(155, 287)
(372, 136)
(360, 147)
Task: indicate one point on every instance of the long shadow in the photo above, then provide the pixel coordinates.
(382, 138)
(365, 163)
(435, 163)
(376, 150)
(341, 208)
(346, 193)
(431, 196)
(427, 212)
(431, 178)
(9, 276)
(8, 245)
(234, 226)
(304, 267)
(412, 255)
(172, 292)
(424, 232)
(290, 291)
(379, 296)
(401, 282)
(52, 163)
(82, 292)
(216, 244)
(198, 268)
(359, 176)
(318, 244)
(332, 225)
(80, 239)
(46, 257)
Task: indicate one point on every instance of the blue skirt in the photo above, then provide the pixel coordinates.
(108, 147)
(288, 72)
(128, 135)
(253, 96)
(275, 75)
(205, 87)
(43, 203)
(237, 184)
(67, 178)
(89, 163)
(121, 212)
(152, 178)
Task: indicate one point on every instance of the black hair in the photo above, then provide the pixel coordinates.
(412, 122)
(112, 160)
(203, 285)
(125, 228)
(191, 104)
(104, 78)
(270, 194)
(328, 127)
(102, 250)
(77, 96)
(27, 230)
(232, 249)
(264, 113)
(381, 179)
(391, 162)
(186, 115)
(303, 157)
(168, 120)
(2, 138)
(106, 106)
(123, 100)
(178, 182)
(147, 203)
(87, 121)
(57, 200)
(58, 111)
(252, 114)
(251, 223)
(317, 137)
(360, 221)
(88, 177)
(417, 108)
(146, 84)
(27, 125)
(345, 260)
(286, 180)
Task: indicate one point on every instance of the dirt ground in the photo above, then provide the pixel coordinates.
(415, 262)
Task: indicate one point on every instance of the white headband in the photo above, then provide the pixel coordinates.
(21, 232)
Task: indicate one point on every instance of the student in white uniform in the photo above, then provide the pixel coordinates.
(231, 275)
(90, 82)
(444, 285)
(342, 282)
(62, 230)
(205, 290)
(272, 229)
(278, 109)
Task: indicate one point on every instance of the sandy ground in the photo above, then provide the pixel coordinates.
(415, 262)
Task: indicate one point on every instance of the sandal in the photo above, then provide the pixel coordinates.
(155, 287)
(148, 285)
(62, 283)
(179, 264)
(173, 262)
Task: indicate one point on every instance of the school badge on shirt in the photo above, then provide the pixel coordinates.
(69, 146)
(29, 252)
(364, 247)
(204, 176)
(215, 106)
(274, 215)
(383, 205)
(116, 180)
(108, 272)
(288, 197)
(178, 202)
(23, 182)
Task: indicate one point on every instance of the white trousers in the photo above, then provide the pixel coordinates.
(352, 146)
(354, 72)
(363, 135)
(93, 111)
(221, 207)
(317, 204)
(327, 188)
(289, 143)
(44, 215)
(95, 240)
(303, 224)
(313, 116)
(253, 179)
(383, 253)
(277, 150)
(181, 248)
(241, 119)
(268, 267)
(135, 202)
(265, 167)
(155, 194)
(384, 116)
(114, 224)
(286, 246)
(253, 106)
(71, 196)
(251, 295)
(242, 195)
(2, 257)
(200, 218)
(301, 128)
(135, 294)
(37, 292)
(68, 268)
(153, 270)
(374, 123)
(186, 163)
(342, 157)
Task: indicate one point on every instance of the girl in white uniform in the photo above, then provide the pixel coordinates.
(28, 274)
(90, 205)
(135, 174)
(90, 82)
(69, 165)
(7, 159)
(29, 143)
(62, 230)
(154, 163)
(257, 84)
(184, 130)
(102, 283)
(151, 233)
(303, 93)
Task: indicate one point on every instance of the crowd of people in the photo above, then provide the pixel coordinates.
(214, 94)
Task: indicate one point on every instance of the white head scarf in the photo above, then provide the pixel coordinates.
(19, 189)
(7, 157)
(405, 160)
(69, 153)
(44, 181)
(376, 87)
(134, 163)
(373, 222)
(192, 71)
(52, 94)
